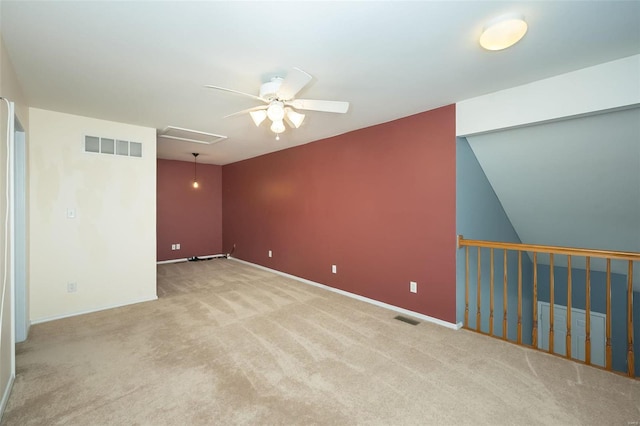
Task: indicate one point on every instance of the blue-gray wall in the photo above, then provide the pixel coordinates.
(598, 304)
(480, 216)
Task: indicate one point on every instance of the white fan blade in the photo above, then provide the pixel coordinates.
(316, 105)
(244, 111)
(293, 83)
(235, 91)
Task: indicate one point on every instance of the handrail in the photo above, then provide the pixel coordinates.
(570, 252)
(612, 254)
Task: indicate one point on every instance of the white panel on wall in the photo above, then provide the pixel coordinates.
(603, 87)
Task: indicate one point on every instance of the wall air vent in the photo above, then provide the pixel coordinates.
(112, 146)
(188, 135)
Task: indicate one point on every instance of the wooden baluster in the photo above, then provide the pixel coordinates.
(569, 252)
(630, 357)
(504, 298)
(551, 302)
(568, 338)
(534, 332)
(479, 293)
(519, 297)
(608, 361)
(491, 294)
(466, 287)
(587, 338)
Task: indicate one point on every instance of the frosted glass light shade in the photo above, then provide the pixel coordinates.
(294, 118)
(275, 112)
(278, 127)
(503, 32)
(258, 116)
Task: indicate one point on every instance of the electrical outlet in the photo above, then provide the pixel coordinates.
(413, 286)
(334, 269)
(270, 254)
(173, 246)
(178, 246)
(72, 287)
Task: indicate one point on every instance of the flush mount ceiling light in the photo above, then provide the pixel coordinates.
(503, 32)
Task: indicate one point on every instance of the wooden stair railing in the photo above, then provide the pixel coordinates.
(570, 252)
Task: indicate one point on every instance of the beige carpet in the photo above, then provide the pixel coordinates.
(227, 343)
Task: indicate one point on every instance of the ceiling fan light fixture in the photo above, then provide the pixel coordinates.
(258, 116)
(280, 103)
(503, 32)
(277, 127)
(294, 118)
(275, 112)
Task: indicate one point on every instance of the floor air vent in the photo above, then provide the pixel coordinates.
(407, 320)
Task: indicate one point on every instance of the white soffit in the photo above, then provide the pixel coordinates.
(188, 135)
(605, 87)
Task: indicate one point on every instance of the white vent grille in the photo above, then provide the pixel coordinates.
(112, 146)
(107, 146)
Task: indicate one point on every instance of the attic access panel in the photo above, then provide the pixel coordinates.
(188, 135)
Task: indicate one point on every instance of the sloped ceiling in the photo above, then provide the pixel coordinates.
(571, 183)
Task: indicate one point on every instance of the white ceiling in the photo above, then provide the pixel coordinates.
(146, 63)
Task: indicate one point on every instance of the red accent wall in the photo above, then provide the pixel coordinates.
(378, 202)
(185, 215)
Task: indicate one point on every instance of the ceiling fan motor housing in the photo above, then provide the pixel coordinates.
(269, 90)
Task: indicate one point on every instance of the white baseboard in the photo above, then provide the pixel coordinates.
(89, 311)
(162, 262)
(427, 318)
(6, 394)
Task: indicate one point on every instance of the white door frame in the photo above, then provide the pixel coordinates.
(10, 284)
(20, 234)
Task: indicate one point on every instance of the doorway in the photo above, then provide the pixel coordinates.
(578, 332)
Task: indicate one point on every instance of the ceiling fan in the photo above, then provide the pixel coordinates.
(278, 94)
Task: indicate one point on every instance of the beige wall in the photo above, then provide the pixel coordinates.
(10, 89)
(109, 249)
